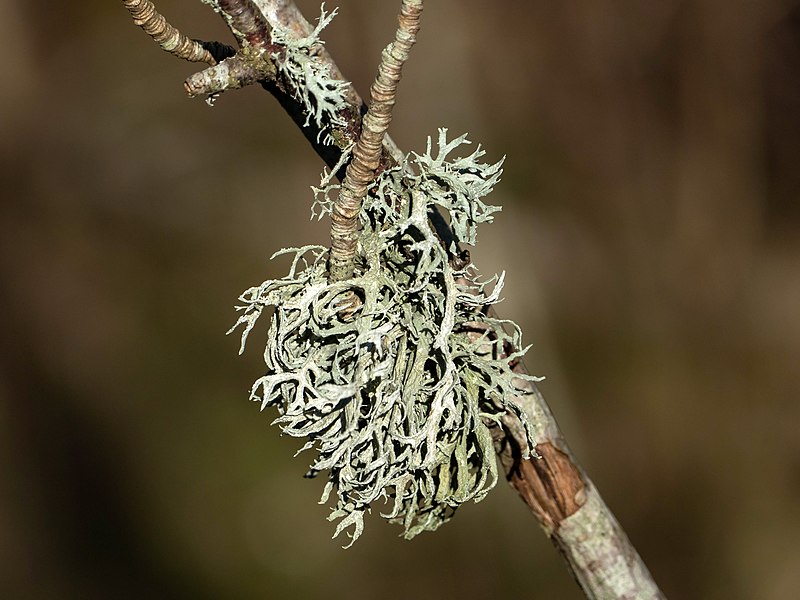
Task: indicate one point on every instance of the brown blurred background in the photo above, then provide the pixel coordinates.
(650, 234)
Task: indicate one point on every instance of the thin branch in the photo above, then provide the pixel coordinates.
(232, 73)
(170, 39)
(367, 152)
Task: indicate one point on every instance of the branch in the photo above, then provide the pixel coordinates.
(246, 22)
(171, 40)
(569, 508)
(560, 494)
(367, 152)
(232, 73)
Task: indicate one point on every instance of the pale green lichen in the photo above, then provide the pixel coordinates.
(322, 96)
(457, 186)
(397, 394)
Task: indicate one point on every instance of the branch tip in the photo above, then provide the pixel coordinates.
(232, 73)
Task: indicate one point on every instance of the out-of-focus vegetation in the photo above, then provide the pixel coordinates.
(650, 235)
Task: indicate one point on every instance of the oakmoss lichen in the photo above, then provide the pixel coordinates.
(395, 391)
(322, 96)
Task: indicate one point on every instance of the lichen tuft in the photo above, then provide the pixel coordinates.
(322, 96)
(394, 376)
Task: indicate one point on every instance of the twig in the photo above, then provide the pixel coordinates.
(232, 73)
(171, 40)
(367, 152)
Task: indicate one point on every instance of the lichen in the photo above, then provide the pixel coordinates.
(397, 390)
(322, 96)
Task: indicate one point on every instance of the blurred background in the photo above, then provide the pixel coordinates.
(650, 233)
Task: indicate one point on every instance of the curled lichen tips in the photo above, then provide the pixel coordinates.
(354, 519)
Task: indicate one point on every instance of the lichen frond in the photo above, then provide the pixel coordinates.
(397, 393)
(322, 96)
(459, 184)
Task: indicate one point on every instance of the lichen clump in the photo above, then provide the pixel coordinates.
(395, 375)
(322, 96)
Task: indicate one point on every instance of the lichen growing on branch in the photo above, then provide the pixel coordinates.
(322, 95)
(396, 392)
